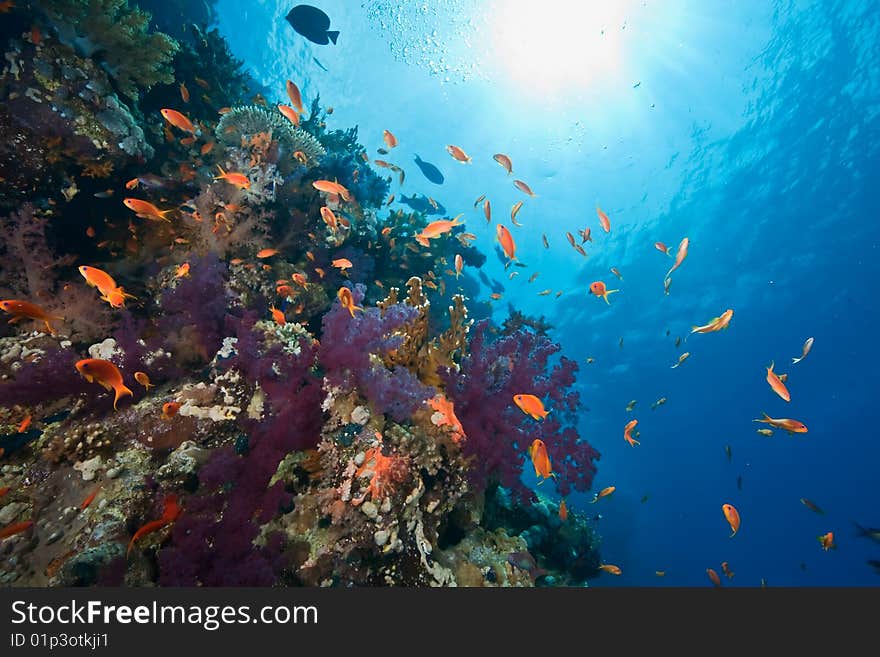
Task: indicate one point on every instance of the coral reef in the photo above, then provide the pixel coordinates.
(116, 35)
(298, 438)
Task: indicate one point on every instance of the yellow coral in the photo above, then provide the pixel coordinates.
(418, 352)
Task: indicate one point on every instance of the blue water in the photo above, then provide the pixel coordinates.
(752, 129)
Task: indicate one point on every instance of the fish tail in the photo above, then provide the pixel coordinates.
(121, 391)
(333, 36)
(222, 172)
(796, 360)
(765, 420)
(772, 364)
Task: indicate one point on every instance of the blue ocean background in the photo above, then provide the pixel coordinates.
(752, 128)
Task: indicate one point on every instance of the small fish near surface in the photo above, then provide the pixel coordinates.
(313, 24)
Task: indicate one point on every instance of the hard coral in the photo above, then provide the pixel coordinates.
(117, 34)
(348, 344)
(242, 123)
(498, 433)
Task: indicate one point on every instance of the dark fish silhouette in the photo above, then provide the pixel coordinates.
(312, 23)
(323, 68)
(430, 172)
(420, 203)
(868, 532)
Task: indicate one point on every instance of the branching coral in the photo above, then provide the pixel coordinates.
(116, 34)
(30, 273)
(351, 352)
(418, 352)
(498, 433)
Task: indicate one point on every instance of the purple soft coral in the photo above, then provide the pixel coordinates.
(213, 541)
(347, 343)
(498, 433)
(195, 309)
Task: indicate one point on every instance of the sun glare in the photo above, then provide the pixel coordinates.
(554, 44)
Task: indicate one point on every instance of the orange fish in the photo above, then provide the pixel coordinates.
(182, 271)
(299, 278)
(586, 235)
(436, 229)
(603, 219)
(598, 288)
(662, 248)
(184, 92)
(96, 370)
(132, 184)
(627, 433)
(144, 380)
(91, 498)
(680, 255)
(90, 231)
(342, 263)
(495, 295)
(267, 253)
(716, 323)
(792, 426)
(5, 489)
(506, 241)
(541, 460)
(681, 359)
(290, 114)
(284, 291)
(295, 96)
(725, 568)
(332, 188)
(457, 153)
(169, 409)
(25, 423)
(732, 516)
(504, 161)
(278, 316)
(170, 512)
(346, 299)
(146, 210)
(98, 278)
(605, 492)
(27, 310)
(207, 148)
(610, 568)
(390, 139)
(328, 217)
(487, 210)
(319, 271)
(178, 120)
(776, 384)
(521, 186)
(233, 178)
(827, 541)
(563, 511)
(300, 157)
(15, 528)
(531, 405)
(459, 263)
(714, 577)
